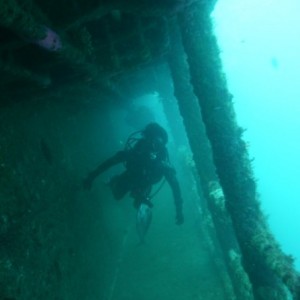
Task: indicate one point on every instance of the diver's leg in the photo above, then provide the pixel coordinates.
(119, 185)
(141, 195)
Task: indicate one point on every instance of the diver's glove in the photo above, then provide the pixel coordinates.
(179, 218)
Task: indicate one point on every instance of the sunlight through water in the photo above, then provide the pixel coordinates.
(260, 46)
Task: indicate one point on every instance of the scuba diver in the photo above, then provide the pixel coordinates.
(146, 162)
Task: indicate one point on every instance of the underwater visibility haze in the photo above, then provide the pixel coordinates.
(260, 53)
(149, 150)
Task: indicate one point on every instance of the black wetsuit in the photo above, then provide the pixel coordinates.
(145, 166)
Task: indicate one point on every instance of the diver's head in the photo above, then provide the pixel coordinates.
(155, 133)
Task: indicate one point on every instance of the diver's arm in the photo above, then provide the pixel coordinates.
(170, 175)
(110, 162)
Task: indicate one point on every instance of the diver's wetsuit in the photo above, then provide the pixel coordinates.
(144, 167)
